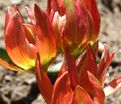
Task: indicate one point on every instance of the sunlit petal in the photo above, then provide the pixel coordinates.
(19, 50)
(43, 81)
(81, 97)
(10, 66)
(62, 91)
(97, 91)
(45, 36)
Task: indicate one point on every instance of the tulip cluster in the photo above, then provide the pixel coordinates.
(71, 26)
(80, 80)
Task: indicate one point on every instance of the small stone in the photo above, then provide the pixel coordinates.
(16, 2)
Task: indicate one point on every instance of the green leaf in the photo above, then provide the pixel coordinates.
(4, 55)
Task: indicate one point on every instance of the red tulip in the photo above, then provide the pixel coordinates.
(24, 40)
(76, 25)
(89, 74)
(77, 21)
(61, 92)
(80, 80)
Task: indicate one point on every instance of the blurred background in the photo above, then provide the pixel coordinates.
(19, 88)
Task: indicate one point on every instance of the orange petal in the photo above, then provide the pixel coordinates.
(103, 65)
(91, 7)
(97, 91)
(15, 9)
(113, 86)
(88, 64)
(19, 50)
(90, 61)
(76, 30)
(45, 36)
(58, 23)
(10, 66)
(9, 14)
(62, 91)
(81, 97)
(43, 81)
(7, 18)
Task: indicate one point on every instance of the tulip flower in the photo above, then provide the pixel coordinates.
(60, 89)
(24, 40)
(77, 21)
(79, 81)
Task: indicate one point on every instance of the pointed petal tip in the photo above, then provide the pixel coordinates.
(62, 91)
(81, 96)
(30, 14)
(106, 50)
(36, 7)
